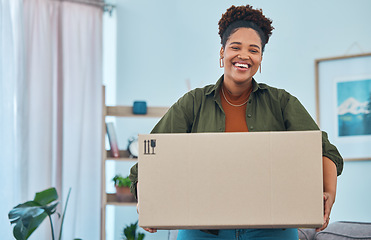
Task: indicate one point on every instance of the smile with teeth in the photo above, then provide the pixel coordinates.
(242, 65)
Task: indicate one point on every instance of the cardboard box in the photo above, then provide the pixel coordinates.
(231, 180)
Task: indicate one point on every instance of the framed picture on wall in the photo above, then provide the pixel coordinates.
(343, 99)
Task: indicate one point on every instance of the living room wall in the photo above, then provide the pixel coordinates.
(166, 47)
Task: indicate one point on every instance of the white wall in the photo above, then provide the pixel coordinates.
(162, 44)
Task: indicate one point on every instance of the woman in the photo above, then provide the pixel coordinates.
(237, 103)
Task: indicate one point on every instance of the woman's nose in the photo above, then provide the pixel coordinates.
(243, 57)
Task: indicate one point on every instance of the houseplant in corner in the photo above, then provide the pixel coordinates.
(122, 185)
(130, 232)
(29, 215)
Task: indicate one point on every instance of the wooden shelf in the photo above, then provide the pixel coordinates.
(118, 111)
(112, 200)
(124, 156)
(126, 111)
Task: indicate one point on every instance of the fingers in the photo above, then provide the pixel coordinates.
(327, 210)
(325, 224)
(151, 230)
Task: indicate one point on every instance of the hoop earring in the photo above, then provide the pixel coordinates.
(221, 63)
(260, 68)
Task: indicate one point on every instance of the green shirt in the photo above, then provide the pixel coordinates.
(268, 109)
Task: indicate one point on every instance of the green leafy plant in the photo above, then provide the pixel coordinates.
(121, 181)
(130, 232)
(28, 216)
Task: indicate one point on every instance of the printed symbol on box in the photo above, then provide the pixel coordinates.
(148, 145)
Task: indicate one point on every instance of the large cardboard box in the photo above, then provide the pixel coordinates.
(230, 180)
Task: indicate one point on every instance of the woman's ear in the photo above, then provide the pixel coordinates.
(222, 52)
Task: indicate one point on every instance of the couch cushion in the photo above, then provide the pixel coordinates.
(345, 230)
(306, 233)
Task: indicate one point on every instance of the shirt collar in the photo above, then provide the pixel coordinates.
(215, 89)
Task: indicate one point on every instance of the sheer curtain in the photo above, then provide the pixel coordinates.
(82, 111)
(11, 110)
(52, 134)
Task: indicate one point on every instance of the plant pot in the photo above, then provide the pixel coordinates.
(123, 194)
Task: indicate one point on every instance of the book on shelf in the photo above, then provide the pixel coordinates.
(112, 139)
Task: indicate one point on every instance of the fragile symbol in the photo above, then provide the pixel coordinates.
(148, 144)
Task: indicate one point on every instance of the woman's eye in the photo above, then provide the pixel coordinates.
(235, 48)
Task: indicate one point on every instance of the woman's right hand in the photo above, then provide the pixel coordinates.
(151, 230)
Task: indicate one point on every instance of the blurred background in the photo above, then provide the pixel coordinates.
(153, 51)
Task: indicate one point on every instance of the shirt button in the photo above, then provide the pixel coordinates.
(249, 101)
(249, 115)
(251, 128)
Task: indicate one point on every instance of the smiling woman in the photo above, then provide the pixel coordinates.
(237, 103)
(241, 58)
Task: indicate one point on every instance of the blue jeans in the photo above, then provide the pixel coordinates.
(241, 234)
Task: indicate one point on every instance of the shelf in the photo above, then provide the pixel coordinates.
(112, 200)
(124, 156)
(109, 199)
(126, 111)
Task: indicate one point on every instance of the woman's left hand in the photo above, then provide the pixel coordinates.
(328, 201)
(329, 190)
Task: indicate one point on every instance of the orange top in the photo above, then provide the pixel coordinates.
(235, 116)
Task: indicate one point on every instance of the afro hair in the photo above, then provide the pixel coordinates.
(246, 13)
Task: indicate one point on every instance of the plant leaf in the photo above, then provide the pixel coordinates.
(141, 236)
(47, 196)
(25, 212)
(130, 231)
(28, 216)
(24, 227)
(35, 223)
(19, 231)
(29, 204)
(51, 208)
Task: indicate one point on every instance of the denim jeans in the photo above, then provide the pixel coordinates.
(241, 234)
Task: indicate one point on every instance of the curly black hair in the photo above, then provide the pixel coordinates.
(254, 17)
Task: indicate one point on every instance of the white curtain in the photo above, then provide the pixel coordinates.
(82, 117)
(11, 110)
(59, 124)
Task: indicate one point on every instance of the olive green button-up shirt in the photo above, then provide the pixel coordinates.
(268, 109)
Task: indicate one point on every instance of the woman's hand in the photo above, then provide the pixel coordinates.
(328, 201)
(329, 190)
(150, 230)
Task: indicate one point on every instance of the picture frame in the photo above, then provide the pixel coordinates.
(343, 103)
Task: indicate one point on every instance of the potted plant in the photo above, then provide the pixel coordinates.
(29, 215)
(130, 232)
(122, 185)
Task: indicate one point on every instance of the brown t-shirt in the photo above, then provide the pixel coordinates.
(235, 117)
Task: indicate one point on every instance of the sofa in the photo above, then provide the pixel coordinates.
(335, 231)
(338, 231)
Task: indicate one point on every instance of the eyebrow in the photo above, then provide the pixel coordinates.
(251, 45)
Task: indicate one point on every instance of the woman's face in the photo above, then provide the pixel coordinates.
(242, 56)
